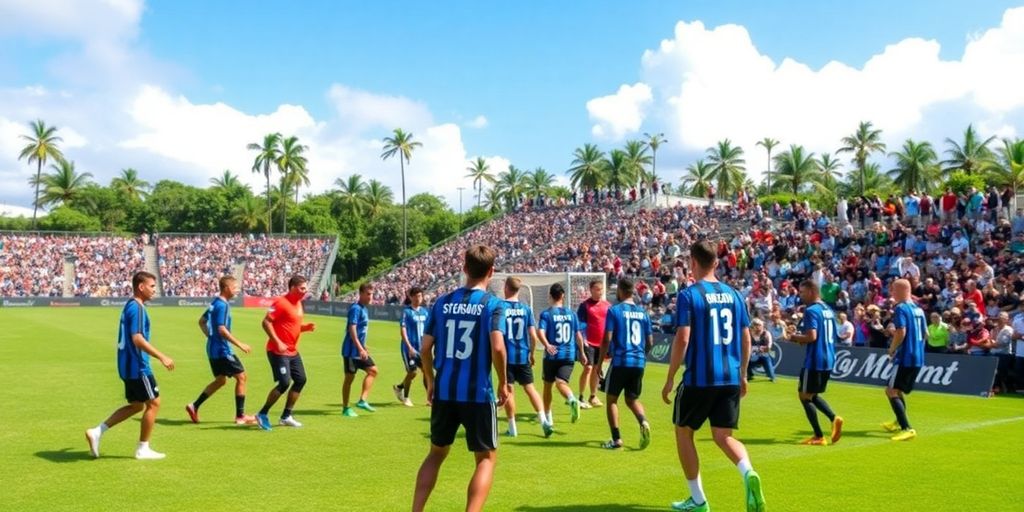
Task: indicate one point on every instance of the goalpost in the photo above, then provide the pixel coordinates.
(535, 287)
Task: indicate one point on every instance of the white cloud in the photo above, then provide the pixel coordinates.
(360, 110)
(711, 84)
(477, 122)
(87, 20)
(620, 114)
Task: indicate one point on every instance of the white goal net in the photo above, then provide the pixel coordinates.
(535, 287)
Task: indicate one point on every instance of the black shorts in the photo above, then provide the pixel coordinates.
(479, 419)
(228, 366)
(630, 380)
(141, 390)
(411, 362)
(813, 381)
(354, 364)
(285, 369)
(720, 405)
(592, 353)
(519, 374)
(904, 378)
(558, 369)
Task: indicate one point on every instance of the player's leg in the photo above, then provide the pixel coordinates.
(611, 412)
(426, 478)
(346, 387)
(410, 375)
(146, 429)
(371, 375)
(588, 370)
(562, 379)
(724, 418)
(480, 484)
(298, 374)
(549, 371)
(193, 408)
(444, 423)
(901, 383)
(241, 379)
(808, 388)
(534, 396)
(510, 415)
(595, 377)
(281, 371)
(480, 422)
(689, 411)
(92, 435)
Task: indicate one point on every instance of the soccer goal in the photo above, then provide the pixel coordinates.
(535, 287)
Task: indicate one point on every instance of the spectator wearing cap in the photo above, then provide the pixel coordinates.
(760, 350)
(977, 337)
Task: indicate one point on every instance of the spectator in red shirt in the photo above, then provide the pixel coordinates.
(949, 206)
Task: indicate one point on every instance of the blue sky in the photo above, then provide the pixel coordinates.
(529, 68)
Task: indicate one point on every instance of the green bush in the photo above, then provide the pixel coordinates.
(961, 182)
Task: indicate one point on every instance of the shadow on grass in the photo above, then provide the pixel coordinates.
(555, 442)
(71, 455)
(172, 422)
(606, 507)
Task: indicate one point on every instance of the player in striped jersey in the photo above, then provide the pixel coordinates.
(411, 328)
(907, 352)
(817, 331)
(628, 337)
(712, 332)
(466, 327)
(559, 332)
(520, 343)
(133, 353)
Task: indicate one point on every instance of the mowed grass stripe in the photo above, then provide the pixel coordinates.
(57, 367)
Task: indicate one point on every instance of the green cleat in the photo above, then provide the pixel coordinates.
(364, 405)
(645, 435)
(690, 506)
(574, 411)
(547, 428)
(755, 494)
(349, 413)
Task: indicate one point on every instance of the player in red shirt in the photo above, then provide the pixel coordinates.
(283, 325)
(592, 313)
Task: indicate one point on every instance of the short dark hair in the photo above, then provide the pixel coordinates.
(626, 287)
(415, 290)
(141, 277)
(365, 287)
(225, 282)
(513, 284)
(594, 283)
(557, 291)
(809, 284)
(296, 280)
(704, 253)
(479, 261)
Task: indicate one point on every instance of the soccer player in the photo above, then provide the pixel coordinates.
(520, 341)
(354, 354)
(466, 327)
(414, 321)
(907, 352)
(628, 338)
(817, 331)
(215, 323)
(559, 332)
(133, 353)
(283, 325)
(713, 334)
(591, 314)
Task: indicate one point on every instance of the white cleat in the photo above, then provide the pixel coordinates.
(408, 403)
(289, 422)
(148, 454)
(92, 436)
(399, 393)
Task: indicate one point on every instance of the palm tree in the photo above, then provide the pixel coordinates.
(401, 144)
(42, 146)
(618, 170)
(727, 165)
(378, 197)
(795, 168)
(281, 197)
(829, 169)
(636, 160)
(291, 163)
(480, 171)
(862, 143)
(539, 182)
(493, 199)
(1008, 169)
(916, 167)
(129, 185)
(654, 142)
(697, 180)
(62, 185)
(972, 156)
(266, 154)
(248, 214)
(511, 184)
(228, 183)
(769, 144)
(587, 170)
(352, 192)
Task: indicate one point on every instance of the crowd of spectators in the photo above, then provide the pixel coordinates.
(104, 265)
(270, 261)
(32, 265)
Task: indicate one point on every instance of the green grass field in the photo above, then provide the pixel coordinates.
(58, 375)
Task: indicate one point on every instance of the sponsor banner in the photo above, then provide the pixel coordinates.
(943, 373)
(257, 302)
(317, 307)
(113, 302)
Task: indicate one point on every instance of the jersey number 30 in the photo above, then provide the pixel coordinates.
(722, 318)
(465, 327)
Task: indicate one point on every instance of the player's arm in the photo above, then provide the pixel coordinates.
(533, 342)
(744, 359)
(226, 334)
(810, 332)
(405, 339)
(427, 358)
(579, 348)
(500, 361)
(268, 327)
(140, 341)
(202, 323)
(675, 359)
(542, 335)
(605, 343)
(898, 336)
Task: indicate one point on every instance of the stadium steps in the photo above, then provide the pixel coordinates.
(68, 288)
(153, 267)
